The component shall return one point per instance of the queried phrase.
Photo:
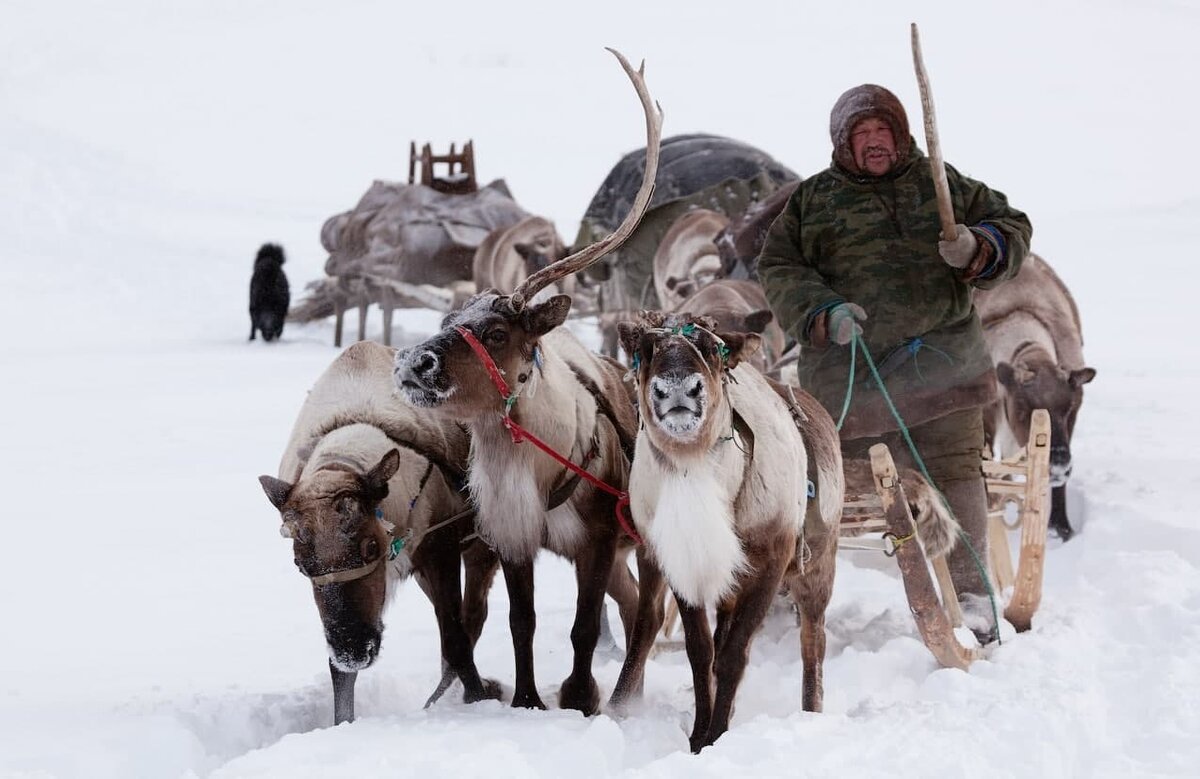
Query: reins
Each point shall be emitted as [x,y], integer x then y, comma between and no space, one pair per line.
[858,343]
[520,434]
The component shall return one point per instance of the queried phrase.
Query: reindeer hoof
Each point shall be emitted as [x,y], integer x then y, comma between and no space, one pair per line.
[584,697]
[488,691]
[527,700]
[1061,528]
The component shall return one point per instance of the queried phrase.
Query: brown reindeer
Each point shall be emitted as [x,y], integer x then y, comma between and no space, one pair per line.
[739,306]
[718,490]
[510,255]
[576,404]
[1032,328]
[686,258]
[363,485]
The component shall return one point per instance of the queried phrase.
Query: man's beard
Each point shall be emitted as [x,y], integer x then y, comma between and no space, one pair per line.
[877,151]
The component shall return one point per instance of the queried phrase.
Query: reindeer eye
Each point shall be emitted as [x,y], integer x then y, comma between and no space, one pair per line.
[369,549]
[496,336]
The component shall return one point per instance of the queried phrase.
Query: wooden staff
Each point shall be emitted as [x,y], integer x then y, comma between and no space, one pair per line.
[940,186]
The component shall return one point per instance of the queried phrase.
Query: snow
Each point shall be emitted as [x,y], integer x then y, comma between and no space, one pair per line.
[153,622]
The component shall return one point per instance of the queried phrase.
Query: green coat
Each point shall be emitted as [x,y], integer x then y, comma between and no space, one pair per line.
[873,241]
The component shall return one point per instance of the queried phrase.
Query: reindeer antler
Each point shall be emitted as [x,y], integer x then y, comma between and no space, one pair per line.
[590,254]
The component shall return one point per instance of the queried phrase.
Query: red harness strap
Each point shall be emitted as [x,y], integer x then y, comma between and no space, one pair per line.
[520,434]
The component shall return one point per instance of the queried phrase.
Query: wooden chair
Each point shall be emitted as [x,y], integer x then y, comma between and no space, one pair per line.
[460,176]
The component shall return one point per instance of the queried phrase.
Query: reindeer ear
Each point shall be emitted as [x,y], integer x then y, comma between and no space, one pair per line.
[541,318]
[527,252]
[277,490]
[1082,376]
[630,335]
[757,321]
[1004,372]
[377,478]
[740,346]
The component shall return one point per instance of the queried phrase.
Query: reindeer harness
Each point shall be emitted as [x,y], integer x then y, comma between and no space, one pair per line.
[520,434]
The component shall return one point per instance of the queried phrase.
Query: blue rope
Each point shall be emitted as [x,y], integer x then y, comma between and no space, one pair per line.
[857,341]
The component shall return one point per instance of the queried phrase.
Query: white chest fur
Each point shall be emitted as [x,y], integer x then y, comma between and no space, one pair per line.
[686,517]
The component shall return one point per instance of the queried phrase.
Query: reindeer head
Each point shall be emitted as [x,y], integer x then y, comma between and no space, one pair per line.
[339,544]
[681,363]
[445,375]
[1034,380]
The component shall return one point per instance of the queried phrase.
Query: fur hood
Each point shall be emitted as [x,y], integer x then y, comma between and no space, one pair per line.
[863,102]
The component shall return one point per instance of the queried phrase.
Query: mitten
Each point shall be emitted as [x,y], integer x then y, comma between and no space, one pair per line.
[959,252]
[843,322]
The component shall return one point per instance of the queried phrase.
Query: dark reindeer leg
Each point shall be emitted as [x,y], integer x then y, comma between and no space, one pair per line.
[640,639]
[698,640]
[753,601]
[343,694]
[441,564]
[481,564]
[522,622]
[1058,513]
[724,614]
[592,568]
[623,588]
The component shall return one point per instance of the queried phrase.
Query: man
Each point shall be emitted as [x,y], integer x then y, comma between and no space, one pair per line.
[857,250]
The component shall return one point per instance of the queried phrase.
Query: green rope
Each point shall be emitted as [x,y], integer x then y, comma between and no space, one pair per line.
[850,386]
[920,463]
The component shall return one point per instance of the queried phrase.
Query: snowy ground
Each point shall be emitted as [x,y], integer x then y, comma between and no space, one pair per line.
[153,622]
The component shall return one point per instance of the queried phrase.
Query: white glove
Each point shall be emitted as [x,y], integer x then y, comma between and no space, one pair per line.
[959,252]
[841,322]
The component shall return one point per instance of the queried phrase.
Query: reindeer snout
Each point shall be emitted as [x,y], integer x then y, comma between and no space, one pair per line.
[678,401]
[425,363]
[418,376]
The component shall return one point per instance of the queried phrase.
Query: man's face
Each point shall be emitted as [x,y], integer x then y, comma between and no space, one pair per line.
[873,146]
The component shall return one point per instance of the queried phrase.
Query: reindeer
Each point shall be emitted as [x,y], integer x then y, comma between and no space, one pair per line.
[686,258]
[718,490]
[565,399]
[740,306]
[511,254]
[367,493]
[1032,328]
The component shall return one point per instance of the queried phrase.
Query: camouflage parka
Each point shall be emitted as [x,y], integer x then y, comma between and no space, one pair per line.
[873,241]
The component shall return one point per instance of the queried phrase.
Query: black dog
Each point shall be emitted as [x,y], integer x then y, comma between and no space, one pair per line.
[269,293]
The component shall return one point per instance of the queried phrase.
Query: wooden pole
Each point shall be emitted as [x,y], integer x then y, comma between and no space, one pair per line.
[936,163]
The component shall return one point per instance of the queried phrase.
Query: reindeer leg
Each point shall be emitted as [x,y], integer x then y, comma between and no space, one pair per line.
[522,622]
[481,564]
[623,588]
[753,602]
[811,591]
[640,638]
[1058,513]
[699,642]
[592,569]
[343,694]
[442,579]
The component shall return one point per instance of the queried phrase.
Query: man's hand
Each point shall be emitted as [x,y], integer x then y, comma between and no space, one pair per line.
[959,252]
[843,322]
